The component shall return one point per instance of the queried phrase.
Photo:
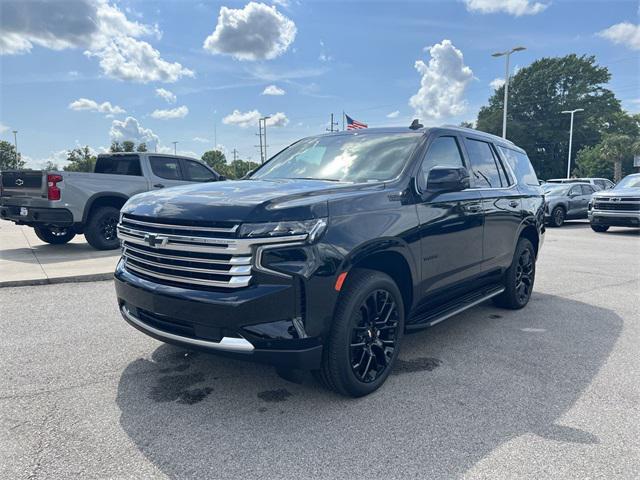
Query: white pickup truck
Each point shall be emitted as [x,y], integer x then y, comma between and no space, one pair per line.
[59,205]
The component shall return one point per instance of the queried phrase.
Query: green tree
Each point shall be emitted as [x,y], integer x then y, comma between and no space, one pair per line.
[611,158]
[8,158]
[537,96]
[128,146]
[49,165]
[80,160]
[239,168]
[142,147]
[216,160]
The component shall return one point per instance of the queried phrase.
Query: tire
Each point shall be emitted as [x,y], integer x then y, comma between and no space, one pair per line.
[54,235]
[366,333]
[558,216]
[600,228]
[519,277]
[100,230]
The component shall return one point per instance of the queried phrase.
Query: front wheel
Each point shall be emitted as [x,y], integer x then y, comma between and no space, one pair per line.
[519,278]
[599,228]
[364,341]
[557,217]
[54,235]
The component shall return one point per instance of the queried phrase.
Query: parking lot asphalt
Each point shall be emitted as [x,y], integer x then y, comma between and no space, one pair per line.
[551,391]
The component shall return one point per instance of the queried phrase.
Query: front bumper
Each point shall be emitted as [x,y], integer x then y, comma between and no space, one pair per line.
[614,219]
[257,323]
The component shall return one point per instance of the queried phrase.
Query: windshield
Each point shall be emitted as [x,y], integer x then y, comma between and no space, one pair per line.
[359,157]
[632,181]
[554,190]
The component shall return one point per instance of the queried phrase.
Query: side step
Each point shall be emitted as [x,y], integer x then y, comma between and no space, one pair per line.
[430,318]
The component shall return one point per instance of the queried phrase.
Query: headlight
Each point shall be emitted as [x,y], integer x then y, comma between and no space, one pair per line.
[312,228]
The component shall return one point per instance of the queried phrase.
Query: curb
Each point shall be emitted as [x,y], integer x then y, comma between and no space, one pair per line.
[93,277]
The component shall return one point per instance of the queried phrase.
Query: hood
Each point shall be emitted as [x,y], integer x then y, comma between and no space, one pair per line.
[618,193]
[239,200]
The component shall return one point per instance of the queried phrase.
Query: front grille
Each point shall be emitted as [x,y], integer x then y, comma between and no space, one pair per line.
[178,253]
[617,206]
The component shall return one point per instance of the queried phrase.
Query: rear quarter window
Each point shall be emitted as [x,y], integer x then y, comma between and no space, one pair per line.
[521,166]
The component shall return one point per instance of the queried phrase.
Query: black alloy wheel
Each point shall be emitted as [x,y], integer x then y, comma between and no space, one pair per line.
[524,275]
[519,277]
[374,336]
[557,217]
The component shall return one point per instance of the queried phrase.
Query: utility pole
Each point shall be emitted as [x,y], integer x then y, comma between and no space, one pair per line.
[215,135]
[175,148]
[235,154]
[506,86]
[260,135]
[572,112]
[331,125]
[15,145]
[263,120]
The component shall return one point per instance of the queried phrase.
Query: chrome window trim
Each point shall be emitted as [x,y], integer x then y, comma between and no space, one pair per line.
[229,344]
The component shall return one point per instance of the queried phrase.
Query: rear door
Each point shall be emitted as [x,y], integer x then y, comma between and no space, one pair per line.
[587,191]
[165,172]
[450,224]
[501,203]
[576,201]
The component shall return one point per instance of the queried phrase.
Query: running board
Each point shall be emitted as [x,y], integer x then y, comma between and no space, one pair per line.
[450,309]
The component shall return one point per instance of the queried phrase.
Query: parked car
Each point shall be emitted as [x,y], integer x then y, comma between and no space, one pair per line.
[566,202]
[330,251]
[597,183]
[59,205]
[618,207]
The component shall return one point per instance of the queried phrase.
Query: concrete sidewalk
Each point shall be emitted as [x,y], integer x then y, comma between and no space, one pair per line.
[26,260]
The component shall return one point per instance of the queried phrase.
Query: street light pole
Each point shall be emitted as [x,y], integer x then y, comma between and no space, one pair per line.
[15,145]
[264,129]
[572,112]
[506,85]
[175,148]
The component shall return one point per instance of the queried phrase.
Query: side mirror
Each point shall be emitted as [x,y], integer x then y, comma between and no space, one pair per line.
[221,178]
[447,179]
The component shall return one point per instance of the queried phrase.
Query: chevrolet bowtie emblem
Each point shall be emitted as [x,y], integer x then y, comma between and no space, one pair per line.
[154,240]
[19,182]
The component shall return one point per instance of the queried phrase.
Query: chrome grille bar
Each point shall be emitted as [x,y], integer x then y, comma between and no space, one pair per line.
[234,282]
[231,261]
[126,219]
[235,270]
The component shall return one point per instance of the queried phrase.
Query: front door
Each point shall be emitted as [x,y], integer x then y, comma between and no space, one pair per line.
[166,171]
[451,226]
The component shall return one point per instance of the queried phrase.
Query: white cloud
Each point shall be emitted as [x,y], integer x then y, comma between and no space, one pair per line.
[4,128]
[624,33]
[168,96]
[169,114]
[443,83]
[512,7]
[184,153]
[250,119]
[324,56]
[100,28]
[394,114]
[273,90]
[255,32]
[496,83]
[130,129]
[201,140]
[93,106]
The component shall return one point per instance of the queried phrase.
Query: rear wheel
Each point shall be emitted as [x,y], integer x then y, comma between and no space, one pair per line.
[365,337]
[100,231]
[557,217]
[519,278]
[599,228]
[54,235]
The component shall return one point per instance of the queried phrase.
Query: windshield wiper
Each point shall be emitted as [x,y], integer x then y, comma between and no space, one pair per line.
[314,178]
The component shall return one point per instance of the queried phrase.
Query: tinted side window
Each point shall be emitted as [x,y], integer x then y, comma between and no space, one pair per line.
[166,167]
[443,152]
[575,190]
[483,164]
[520,165]
[197,172]
[119,165]
[587,190]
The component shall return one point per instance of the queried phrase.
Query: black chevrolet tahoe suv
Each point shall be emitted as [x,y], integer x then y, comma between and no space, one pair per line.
[333,249]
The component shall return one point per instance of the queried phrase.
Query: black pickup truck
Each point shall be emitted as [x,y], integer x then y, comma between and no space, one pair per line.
[328,253]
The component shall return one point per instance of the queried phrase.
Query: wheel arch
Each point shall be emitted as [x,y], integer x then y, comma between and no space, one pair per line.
[103,199]
[390,256]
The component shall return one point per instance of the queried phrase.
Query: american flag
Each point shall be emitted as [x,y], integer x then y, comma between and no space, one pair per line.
[354,124]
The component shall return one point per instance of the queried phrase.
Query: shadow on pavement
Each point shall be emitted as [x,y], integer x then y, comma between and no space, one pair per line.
[50,254]
[462,389]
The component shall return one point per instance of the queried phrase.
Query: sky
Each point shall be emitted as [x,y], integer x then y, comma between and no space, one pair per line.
[201,73]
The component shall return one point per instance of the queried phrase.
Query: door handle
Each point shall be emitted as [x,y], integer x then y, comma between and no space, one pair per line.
[159,185]
[513,204]
[472,208]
